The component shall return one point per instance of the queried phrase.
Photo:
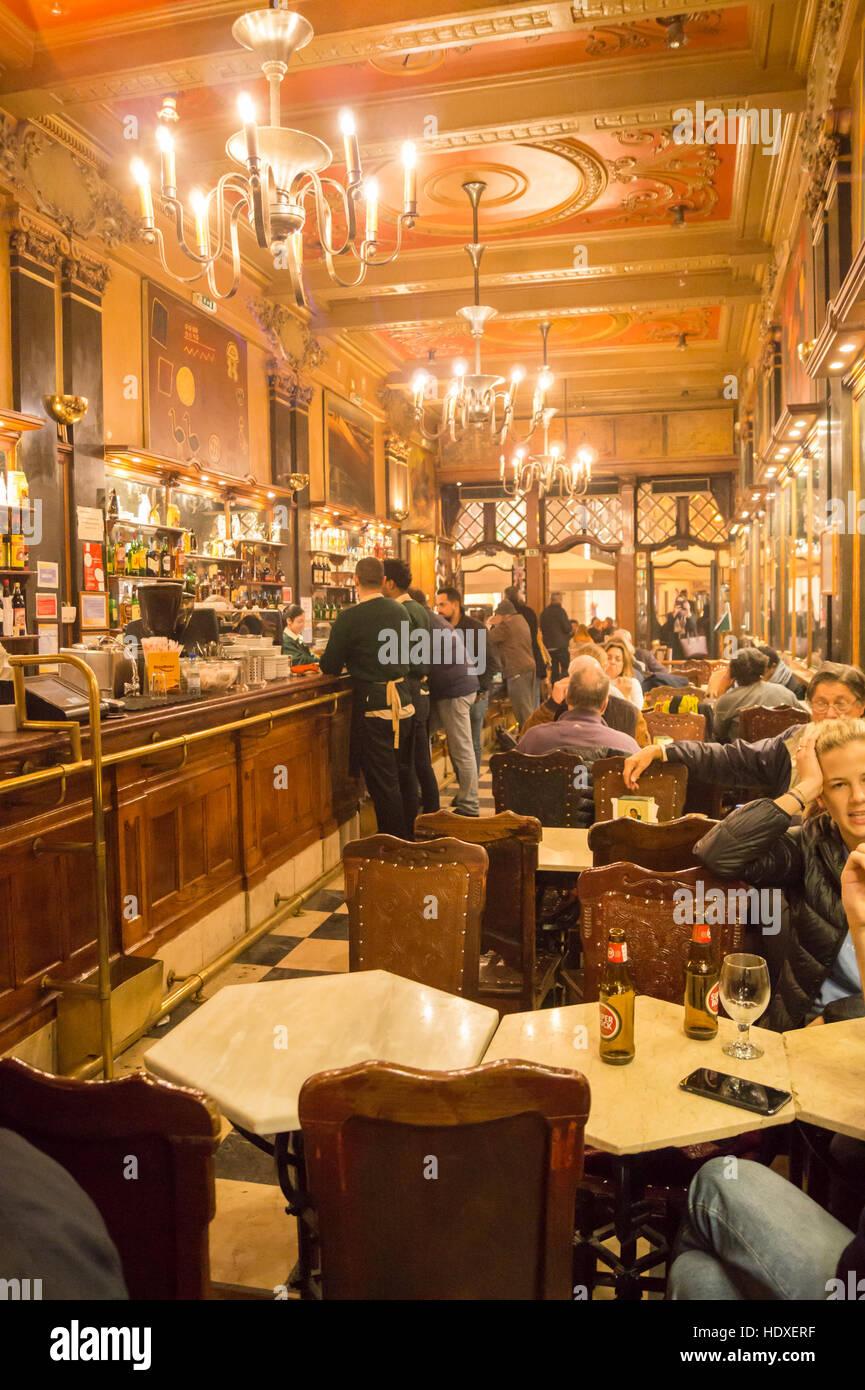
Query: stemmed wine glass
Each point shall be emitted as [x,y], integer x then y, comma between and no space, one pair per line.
[744,990]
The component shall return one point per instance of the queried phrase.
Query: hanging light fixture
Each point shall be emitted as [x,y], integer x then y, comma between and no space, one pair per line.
[477,400]
[275,181]
[549,469]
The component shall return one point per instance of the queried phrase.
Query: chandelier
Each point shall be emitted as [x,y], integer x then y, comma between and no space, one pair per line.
[477,400]
[275,182]
[549,469]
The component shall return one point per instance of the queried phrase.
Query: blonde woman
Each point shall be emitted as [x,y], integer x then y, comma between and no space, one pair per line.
[620,669]
[817,972]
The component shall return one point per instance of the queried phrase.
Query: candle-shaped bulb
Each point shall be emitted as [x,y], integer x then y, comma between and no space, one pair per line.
[145,198]
[459,367]
[350,146]
[246,107]
[418,386]
[165,141]
[371,210]
[545,379]
[409,160]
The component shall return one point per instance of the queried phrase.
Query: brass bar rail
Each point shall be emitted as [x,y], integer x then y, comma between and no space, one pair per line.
[102,990]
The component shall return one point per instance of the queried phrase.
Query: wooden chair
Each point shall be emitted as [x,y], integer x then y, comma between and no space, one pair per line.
[541,785]
[666,782]
[416,909]
[660,847]
[494,1218]
[158,1220]
[642,901]
[664,692]
[761,721]
[676,726]
[508,924]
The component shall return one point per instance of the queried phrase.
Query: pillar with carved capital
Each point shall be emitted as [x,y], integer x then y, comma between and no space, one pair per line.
[82,284]
[289,453]
[626,574]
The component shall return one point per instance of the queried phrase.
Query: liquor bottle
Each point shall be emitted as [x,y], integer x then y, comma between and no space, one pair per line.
[113,504]
[701,986]
[153,561]
[616,995]
[112,611]
[120,556]
[179,553]
[19,616]
[8,621]
[17,553]
[165,560]
[136,606]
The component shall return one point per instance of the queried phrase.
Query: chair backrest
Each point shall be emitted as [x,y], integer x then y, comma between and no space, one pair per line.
[541,785]
[415,909]
[445,1185]
[761,721]
[657,923]
[677,726]
[664,692]
[511,843]
[666,782]
[96,1130]
[696,669]
[662,847]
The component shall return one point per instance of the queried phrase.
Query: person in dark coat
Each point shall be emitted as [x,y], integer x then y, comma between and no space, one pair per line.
[836,691]
[817,974]
[779,673]
[556,632]
[512,593]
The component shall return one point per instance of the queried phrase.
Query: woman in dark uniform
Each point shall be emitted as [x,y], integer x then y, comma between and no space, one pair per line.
[292,645]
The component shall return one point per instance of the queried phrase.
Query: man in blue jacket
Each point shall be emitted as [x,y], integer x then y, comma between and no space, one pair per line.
[453,687]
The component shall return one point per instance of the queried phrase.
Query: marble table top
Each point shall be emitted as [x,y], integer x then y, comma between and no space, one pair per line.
[564,849]
[251,1047]
[827,1064]
[639,1106]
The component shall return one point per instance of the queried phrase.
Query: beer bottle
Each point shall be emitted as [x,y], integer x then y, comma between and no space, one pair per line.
[701,986]
[616,996]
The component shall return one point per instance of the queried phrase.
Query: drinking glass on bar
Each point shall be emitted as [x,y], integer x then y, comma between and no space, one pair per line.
[744,990]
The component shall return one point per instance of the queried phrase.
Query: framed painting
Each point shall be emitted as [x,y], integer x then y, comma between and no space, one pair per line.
[797,318]
[422,491]
[197,395]
[349,455]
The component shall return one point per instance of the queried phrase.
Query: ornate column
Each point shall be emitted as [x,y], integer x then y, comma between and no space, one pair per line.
[626,572]
[289,453]
[82,284]
[35,254]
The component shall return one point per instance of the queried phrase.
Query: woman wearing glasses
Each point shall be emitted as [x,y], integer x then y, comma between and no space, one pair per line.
[835,692]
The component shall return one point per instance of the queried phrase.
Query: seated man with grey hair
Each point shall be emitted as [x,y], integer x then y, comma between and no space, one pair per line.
[581,728]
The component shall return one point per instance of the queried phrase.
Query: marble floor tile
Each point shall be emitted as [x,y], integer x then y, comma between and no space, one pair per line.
[268,951]
[299,926]
[252,1241]
[241,1161]
[334,928]
[316,955]
[240,973]
[325,900]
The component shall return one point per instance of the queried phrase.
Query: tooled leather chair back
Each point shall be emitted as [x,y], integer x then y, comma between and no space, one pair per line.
[676,726]
[656,923]
[415,909]
[662,847]
[666,782]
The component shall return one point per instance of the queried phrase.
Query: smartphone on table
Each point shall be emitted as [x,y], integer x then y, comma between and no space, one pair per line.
[735,1090]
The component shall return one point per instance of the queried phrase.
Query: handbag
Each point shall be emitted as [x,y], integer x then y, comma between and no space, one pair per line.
[694,646]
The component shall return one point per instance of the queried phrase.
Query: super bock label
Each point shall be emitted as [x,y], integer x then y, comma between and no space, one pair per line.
[611,1023]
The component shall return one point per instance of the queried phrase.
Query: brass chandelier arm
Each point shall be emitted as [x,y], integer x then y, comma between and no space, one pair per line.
[236,212]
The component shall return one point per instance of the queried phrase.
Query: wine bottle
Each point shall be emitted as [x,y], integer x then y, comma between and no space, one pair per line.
[165,560]
[19,616]
[153,564]
[113,504]
[8,626]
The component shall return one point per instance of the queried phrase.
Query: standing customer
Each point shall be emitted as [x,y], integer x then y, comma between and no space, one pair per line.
[486,666]
[382,728]
[397,581]
[453,687]
[556,632]
[512,594]
[512,642]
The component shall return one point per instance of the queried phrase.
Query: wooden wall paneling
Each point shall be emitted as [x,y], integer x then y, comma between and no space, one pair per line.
[286,795]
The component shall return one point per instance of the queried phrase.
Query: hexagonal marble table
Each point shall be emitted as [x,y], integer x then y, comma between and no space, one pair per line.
[251,1047]
[639,1107]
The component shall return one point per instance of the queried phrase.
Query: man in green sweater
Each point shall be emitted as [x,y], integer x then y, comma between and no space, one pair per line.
[382,731]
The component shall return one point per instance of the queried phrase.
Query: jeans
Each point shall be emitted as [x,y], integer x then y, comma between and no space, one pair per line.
[477,715]
[751,1236]
[455,717]
[522,695]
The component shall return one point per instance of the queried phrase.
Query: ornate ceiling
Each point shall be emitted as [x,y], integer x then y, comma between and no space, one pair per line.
[565,110]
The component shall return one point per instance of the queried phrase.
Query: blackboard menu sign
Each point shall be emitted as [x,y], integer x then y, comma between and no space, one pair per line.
[197,405]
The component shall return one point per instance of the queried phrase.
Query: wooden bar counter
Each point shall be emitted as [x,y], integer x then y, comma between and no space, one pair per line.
[187,839]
